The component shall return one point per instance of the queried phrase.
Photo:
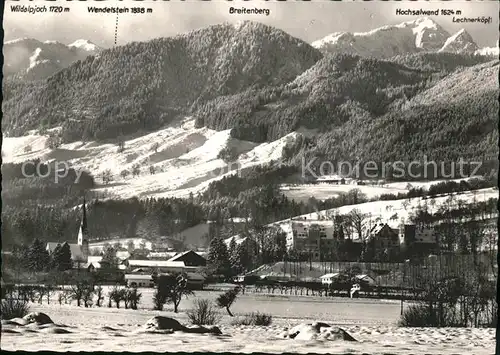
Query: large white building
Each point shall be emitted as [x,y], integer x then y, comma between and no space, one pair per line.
[298,230]
[139,243]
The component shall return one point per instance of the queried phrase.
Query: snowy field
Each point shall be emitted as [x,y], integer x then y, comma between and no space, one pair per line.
[371,322]
[302,192]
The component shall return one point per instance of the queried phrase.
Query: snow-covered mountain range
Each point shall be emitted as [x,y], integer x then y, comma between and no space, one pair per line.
[419,35]
[34,59]
[179,110]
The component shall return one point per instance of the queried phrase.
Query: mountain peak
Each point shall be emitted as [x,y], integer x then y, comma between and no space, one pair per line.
[422,34]
[84,44]
[426,21]
[460,42]
[428,34]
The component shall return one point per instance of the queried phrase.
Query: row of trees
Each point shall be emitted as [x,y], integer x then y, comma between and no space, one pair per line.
[257,247]
[83,291]
[465,299]
[35,258]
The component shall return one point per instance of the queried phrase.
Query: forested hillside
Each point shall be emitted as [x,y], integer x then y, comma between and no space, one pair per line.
[442,61]
[374,110]
[323,97]
[144,85]
[263,84]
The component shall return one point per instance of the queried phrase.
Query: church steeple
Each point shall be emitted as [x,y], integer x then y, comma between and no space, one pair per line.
[82,233]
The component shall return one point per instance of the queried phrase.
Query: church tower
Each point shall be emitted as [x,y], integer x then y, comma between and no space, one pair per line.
[83,232]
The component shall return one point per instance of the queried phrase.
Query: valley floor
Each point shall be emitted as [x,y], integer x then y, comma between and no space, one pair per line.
[371,322]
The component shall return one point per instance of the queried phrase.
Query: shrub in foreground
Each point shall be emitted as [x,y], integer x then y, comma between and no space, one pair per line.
[421,315]
[254,318]
[203,313]
[416,316]
[13,308]
[227,299]
[159,300]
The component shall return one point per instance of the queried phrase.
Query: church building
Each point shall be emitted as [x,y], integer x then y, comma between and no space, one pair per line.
[80,250]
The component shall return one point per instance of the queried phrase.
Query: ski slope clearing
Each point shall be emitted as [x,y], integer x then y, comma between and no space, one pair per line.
[173,162]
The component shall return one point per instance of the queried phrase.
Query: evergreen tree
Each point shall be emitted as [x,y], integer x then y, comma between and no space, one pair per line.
[54,257]
[61,257]
[38,256]
[232,254]
[280,246]
[109,257]
[21,256]
[218,258]
[242,260]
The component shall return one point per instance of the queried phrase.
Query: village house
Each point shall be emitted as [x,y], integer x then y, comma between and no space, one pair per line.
[418,240]
[329,279]
[122,243]
[364,279]
[383,242]
[188,262]
[333,179]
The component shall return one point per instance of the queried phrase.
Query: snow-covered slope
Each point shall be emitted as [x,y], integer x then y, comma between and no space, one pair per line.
[33,59]
[408,37]
[460,42]
[185,159]
[393,212]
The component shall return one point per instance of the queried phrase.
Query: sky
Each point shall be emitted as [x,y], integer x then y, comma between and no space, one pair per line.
[306,20]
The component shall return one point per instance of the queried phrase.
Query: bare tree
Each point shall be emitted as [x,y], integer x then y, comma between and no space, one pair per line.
[79,291]
[100,295]
[136,170]
[227,299]
[359,223]
[171,289]
[120,144]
